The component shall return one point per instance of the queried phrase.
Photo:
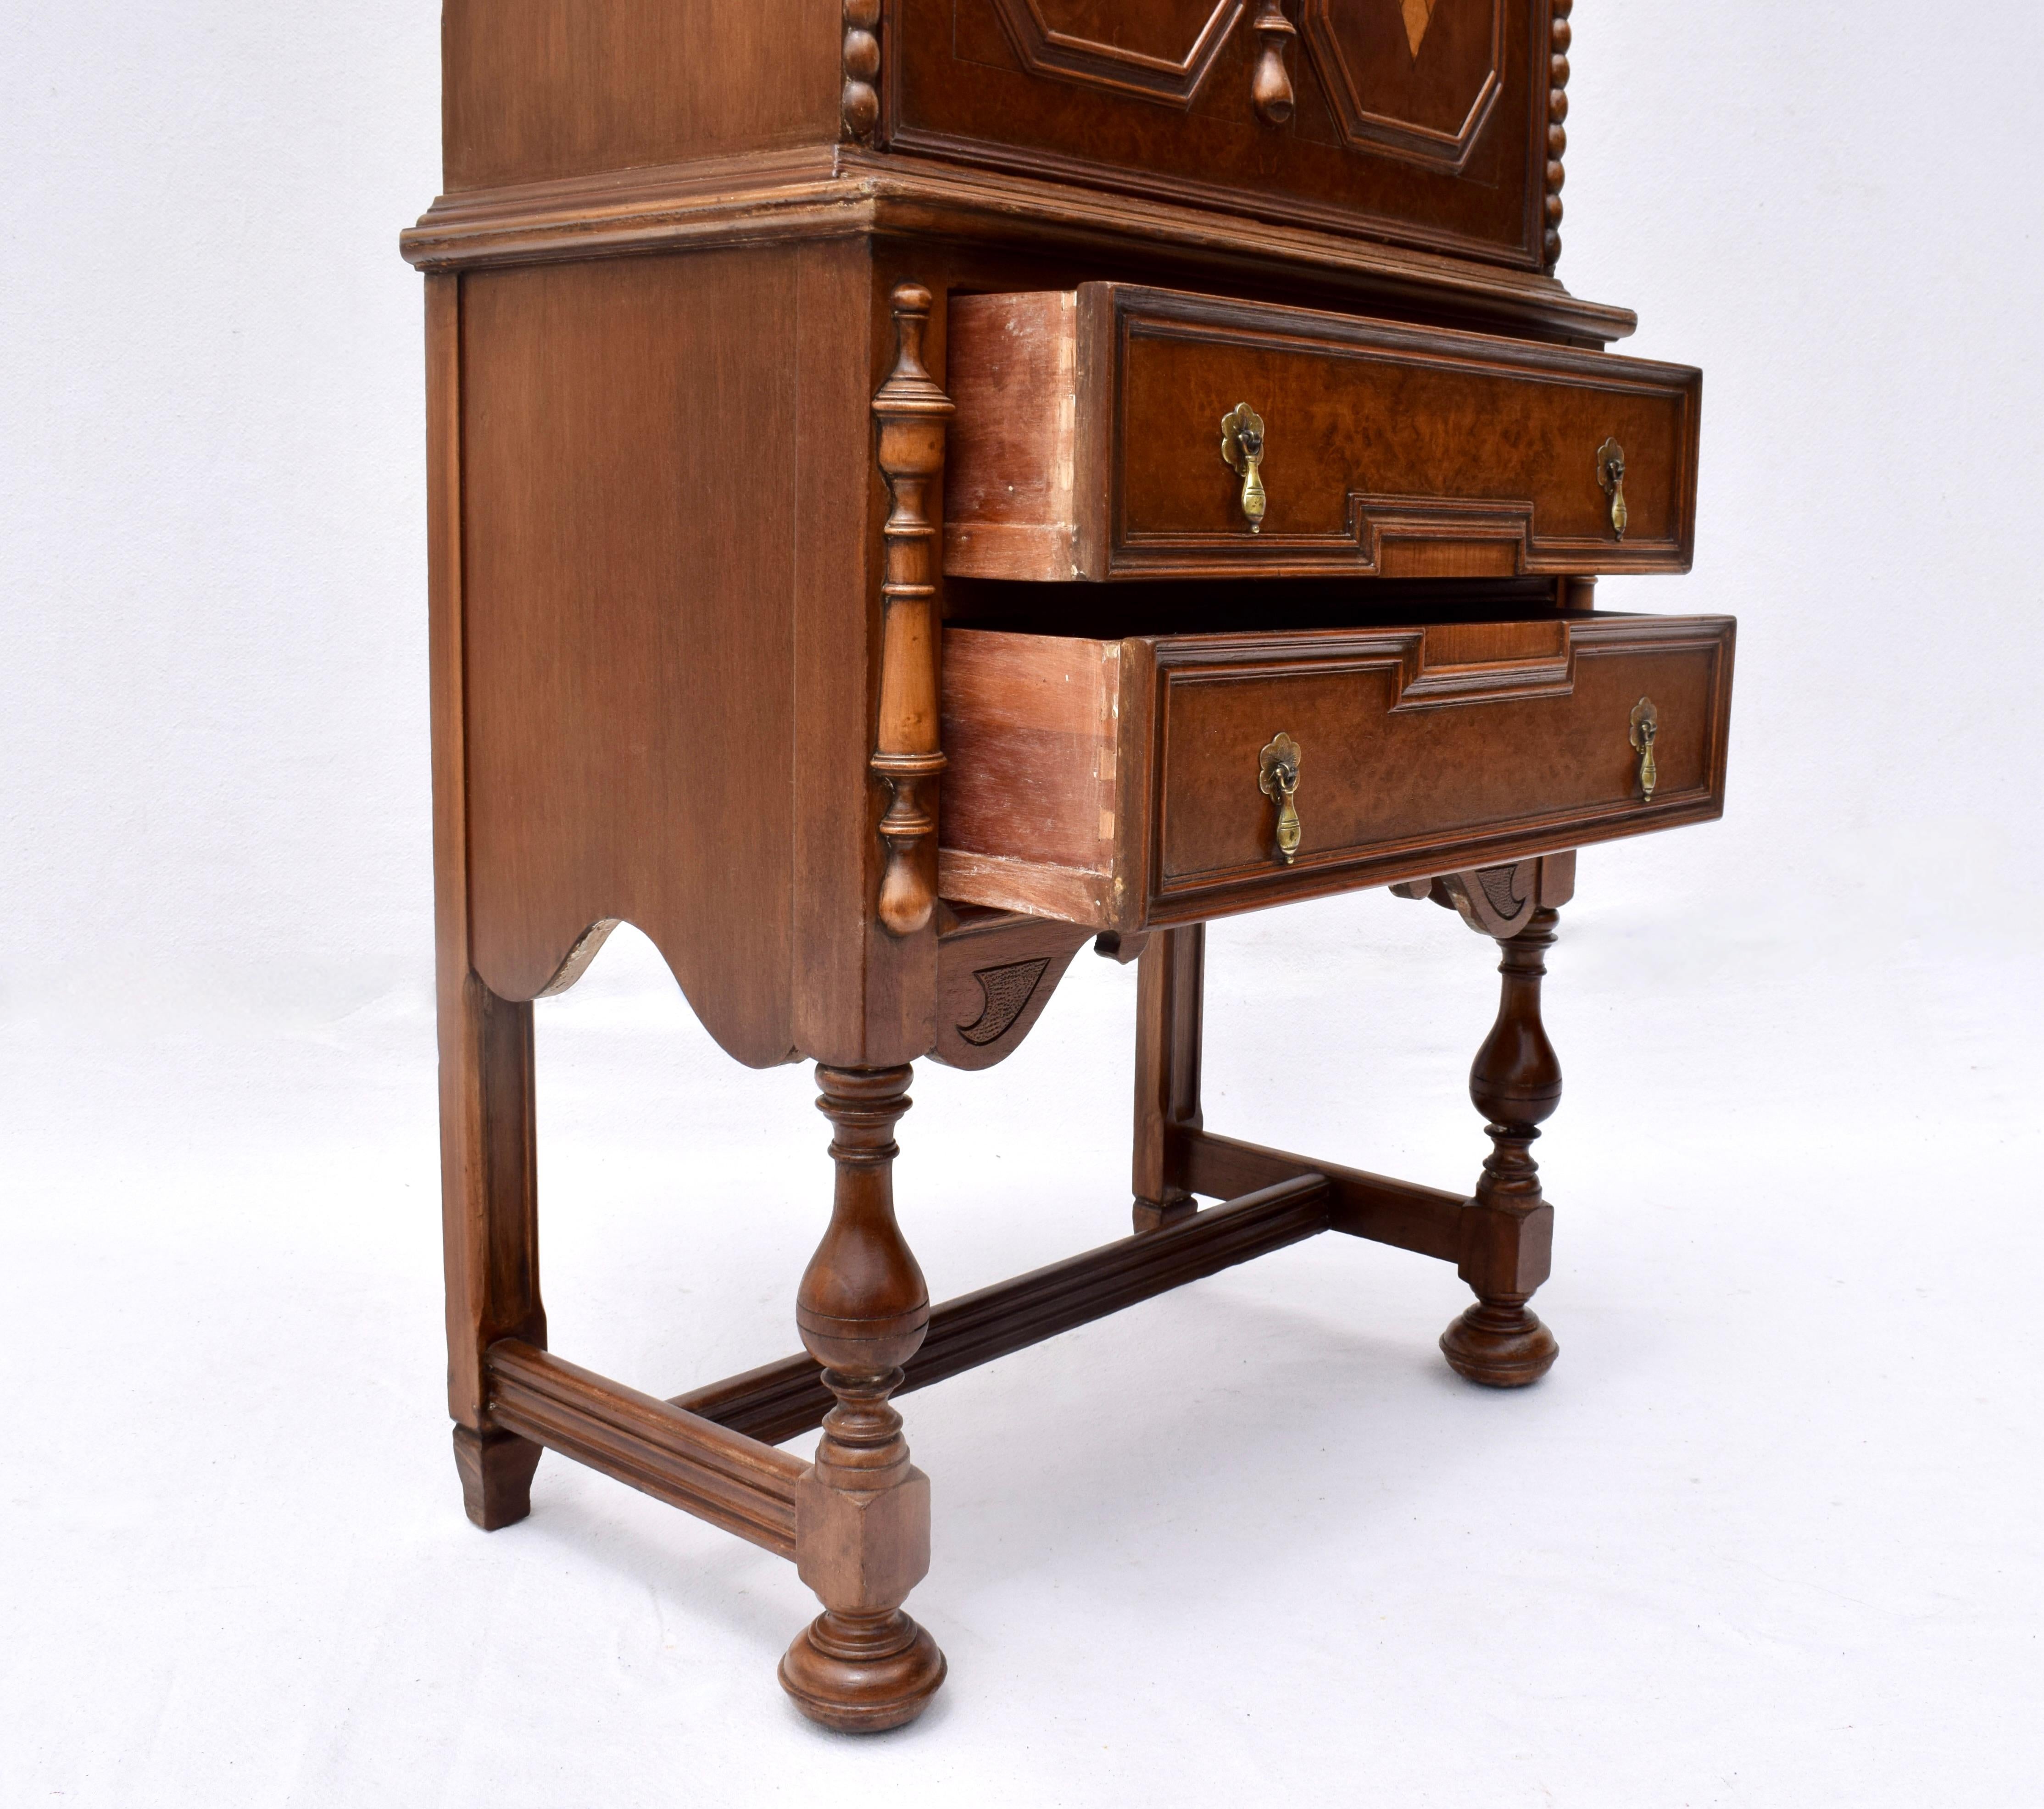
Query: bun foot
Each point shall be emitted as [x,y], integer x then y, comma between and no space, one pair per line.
[1501,1346]
[862,1674]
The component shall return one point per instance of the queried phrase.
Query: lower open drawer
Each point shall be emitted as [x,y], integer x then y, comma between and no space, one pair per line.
[1124,784]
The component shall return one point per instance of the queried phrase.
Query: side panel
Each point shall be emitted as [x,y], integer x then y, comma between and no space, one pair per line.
[533,90]
[630,553]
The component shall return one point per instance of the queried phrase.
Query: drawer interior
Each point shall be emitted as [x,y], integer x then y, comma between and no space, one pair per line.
[1250,605]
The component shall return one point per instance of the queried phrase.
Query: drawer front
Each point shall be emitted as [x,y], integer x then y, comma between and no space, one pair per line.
[1090,443]
[1125,784]
[1425,122]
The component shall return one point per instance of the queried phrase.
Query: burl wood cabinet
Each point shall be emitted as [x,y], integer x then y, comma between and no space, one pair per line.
[918,487]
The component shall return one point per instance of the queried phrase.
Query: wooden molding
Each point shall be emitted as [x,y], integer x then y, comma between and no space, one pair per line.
[845,191]
[1362,125]
[1173,80]
[732,1481]
[1481,663]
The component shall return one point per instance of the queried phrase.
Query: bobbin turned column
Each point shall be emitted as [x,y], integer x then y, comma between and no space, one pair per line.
[1508,1228]
[862,1510]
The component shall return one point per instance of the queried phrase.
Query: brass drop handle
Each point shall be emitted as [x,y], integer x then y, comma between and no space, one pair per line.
[1242,447]
[1277,778]
[1610,480]
[1646,725]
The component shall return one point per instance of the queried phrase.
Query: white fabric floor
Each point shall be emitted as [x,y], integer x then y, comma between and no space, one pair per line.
[1765,1535]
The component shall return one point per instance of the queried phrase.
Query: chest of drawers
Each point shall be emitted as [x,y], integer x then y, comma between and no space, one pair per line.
[919,486]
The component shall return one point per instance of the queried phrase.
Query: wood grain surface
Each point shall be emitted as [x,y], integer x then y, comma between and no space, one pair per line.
[1418,759]
[1446,149]
[1091,447]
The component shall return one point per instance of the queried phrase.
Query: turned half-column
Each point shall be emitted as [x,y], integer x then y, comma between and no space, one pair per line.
[862,1510]
[910,415]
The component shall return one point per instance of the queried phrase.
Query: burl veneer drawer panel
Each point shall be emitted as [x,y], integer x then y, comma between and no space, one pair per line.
[1120,784]
[1088,444]
[1425,122]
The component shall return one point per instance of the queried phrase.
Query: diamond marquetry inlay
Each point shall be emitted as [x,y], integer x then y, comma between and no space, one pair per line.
[1419,15]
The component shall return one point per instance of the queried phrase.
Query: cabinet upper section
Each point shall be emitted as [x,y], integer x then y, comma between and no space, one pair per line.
[1421,120]
[1434,124]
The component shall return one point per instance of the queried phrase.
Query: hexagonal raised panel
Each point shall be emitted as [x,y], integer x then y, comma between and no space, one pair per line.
[1155,50]
[1411,79]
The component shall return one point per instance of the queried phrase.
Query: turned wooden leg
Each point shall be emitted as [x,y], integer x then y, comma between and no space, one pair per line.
[490,1225]
[862,1510]
[1171,984]
[1508,1229]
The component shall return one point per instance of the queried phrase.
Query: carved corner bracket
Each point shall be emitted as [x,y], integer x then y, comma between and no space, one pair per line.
[1500,901]
[912,414]
[995,972]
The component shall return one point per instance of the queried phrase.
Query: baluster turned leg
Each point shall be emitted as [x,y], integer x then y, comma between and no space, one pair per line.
[1171,984]
[862,1513]
[1508,1229]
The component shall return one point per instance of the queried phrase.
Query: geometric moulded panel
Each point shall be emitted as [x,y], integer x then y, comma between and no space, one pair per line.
[1154,50]
[1411,79]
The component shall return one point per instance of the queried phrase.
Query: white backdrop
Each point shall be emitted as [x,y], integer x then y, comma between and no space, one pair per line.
[1766,1534]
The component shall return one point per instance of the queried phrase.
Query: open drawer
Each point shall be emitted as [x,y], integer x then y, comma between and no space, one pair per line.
[1111,432]
[1164,779]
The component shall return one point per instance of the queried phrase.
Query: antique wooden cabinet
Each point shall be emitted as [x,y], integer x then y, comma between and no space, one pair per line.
[919,486]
